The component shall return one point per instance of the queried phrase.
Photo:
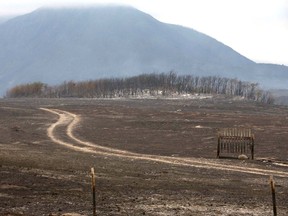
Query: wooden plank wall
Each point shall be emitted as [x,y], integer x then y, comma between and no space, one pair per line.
[235,141]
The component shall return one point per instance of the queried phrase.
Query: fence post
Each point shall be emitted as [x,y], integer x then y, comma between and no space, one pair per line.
[252,150]
[93,191]
[272,184]
[218,147]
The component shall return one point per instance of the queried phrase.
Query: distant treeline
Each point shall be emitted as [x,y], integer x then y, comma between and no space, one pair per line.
[164,84]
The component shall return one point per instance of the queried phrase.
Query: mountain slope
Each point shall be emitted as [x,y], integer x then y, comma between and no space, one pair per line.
[54,45]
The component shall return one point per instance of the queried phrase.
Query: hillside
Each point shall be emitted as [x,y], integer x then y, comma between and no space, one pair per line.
[54,45]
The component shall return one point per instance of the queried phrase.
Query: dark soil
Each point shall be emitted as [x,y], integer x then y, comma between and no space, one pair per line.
[40,177]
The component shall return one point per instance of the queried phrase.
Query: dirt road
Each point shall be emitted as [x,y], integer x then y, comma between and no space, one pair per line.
[70,121]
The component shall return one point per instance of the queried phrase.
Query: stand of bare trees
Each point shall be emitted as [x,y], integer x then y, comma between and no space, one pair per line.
[154,84]
[35,89]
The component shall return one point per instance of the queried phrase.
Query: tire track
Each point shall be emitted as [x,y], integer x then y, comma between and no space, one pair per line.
[70,121]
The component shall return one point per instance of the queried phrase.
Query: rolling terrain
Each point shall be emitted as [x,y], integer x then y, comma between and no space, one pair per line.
[57,45]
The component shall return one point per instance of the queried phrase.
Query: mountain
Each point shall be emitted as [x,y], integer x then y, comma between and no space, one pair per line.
[5,18]
[54,45]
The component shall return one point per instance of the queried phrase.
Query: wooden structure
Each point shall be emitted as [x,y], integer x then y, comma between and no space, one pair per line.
[233,142]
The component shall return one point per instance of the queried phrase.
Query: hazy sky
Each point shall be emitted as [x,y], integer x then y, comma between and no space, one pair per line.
[258,29]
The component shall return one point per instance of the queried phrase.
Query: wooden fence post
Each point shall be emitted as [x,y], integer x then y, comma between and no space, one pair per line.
[218,147]
[93,191]
[252,150]
[272,184]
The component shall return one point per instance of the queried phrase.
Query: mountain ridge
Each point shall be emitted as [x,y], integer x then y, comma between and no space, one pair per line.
[53,45]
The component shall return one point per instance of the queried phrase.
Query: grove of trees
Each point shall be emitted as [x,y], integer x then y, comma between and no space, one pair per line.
[154,84]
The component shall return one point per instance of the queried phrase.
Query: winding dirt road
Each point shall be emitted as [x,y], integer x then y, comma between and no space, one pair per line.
[70,121]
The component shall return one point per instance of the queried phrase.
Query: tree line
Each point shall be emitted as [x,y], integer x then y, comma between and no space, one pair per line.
[163,84]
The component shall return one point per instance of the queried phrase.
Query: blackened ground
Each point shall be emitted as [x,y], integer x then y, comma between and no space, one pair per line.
[39,177]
